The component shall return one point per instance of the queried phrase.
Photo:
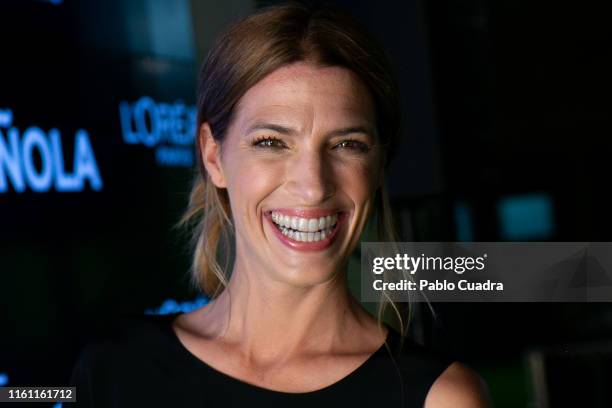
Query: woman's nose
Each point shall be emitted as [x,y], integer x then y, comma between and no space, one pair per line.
[310,178]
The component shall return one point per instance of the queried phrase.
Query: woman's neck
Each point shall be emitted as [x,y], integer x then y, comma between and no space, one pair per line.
[274,320]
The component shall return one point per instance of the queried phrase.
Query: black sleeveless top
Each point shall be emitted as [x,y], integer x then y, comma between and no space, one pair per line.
[145,365]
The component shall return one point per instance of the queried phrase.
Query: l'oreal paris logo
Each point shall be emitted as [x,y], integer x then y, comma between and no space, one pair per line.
[167,128]
[19,170]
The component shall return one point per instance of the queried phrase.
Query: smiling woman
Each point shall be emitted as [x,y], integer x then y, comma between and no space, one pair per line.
[301,151]
[297,115]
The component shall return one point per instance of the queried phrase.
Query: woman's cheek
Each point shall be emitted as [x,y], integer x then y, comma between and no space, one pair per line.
[358,176]
[253,178]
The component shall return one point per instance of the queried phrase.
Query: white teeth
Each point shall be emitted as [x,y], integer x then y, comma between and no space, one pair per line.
[306,236]
[304,224]
[305,229]
[313,225]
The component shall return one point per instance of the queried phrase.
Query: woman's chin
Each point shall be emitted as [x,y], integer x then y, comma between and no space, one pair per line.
[307,276]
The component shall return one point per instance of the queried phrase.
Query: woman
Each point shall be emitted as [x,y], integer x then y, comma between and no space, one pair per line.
[297,116]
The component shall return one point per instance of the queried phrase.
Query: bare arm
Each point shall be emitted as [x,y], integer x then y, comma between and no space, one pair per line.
[458,387]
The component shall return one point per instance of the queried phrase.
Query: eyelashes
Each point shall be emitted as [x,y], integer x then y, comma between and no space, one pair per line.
[270,142]
[354,145]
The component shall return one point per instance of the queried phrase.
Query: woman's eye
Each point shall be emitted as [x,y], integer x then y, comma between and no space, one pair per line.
[269,142]
[354,145]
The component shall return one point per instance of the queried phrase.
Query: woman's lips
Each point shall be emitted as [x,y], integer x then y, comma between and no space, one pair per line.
[301,245]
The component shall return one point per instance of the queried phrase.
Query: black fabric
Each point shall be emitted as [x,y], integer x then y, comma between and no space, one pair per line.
[144,364]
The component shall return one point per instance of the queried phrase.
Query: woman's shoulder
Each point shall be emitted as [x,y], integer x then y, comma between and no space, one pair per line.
[458,386]
[129,343]
[131,355]
[436,375]
[127,334]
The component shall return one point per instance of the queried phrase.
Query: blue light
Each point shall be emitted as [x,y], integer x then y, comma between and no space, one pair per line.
[172,306]
[53,2]
[6,118]
[3,379]
[526,217]
[57,405]
[463,222]
[169,129]
[17,155]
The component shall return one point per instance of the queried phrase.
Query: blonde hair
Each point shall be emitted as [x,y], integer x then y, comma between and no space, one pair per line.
[249,51]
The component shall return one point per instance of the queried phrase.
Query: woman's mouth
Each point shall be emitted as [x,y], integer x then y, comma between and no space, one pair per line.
[305,231]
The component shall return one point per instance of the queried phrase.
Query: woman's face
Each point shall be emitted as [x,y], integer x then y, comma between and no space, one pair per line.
[301,164]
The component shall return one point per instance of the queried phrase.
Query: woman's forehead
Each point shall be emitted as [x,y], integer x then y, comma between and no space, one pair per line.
[302,91]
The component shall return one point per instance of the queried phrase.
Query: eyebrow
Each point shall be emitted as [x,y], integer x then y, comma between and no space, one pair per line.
[285,130]
[273,127]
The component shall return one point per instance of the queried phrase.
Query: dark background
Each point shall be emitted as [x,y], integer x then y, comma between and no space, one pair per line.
[506,137]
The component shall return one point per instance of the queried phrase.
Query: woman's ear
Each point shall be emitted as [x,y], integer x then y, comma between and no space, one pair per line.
[210,150]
